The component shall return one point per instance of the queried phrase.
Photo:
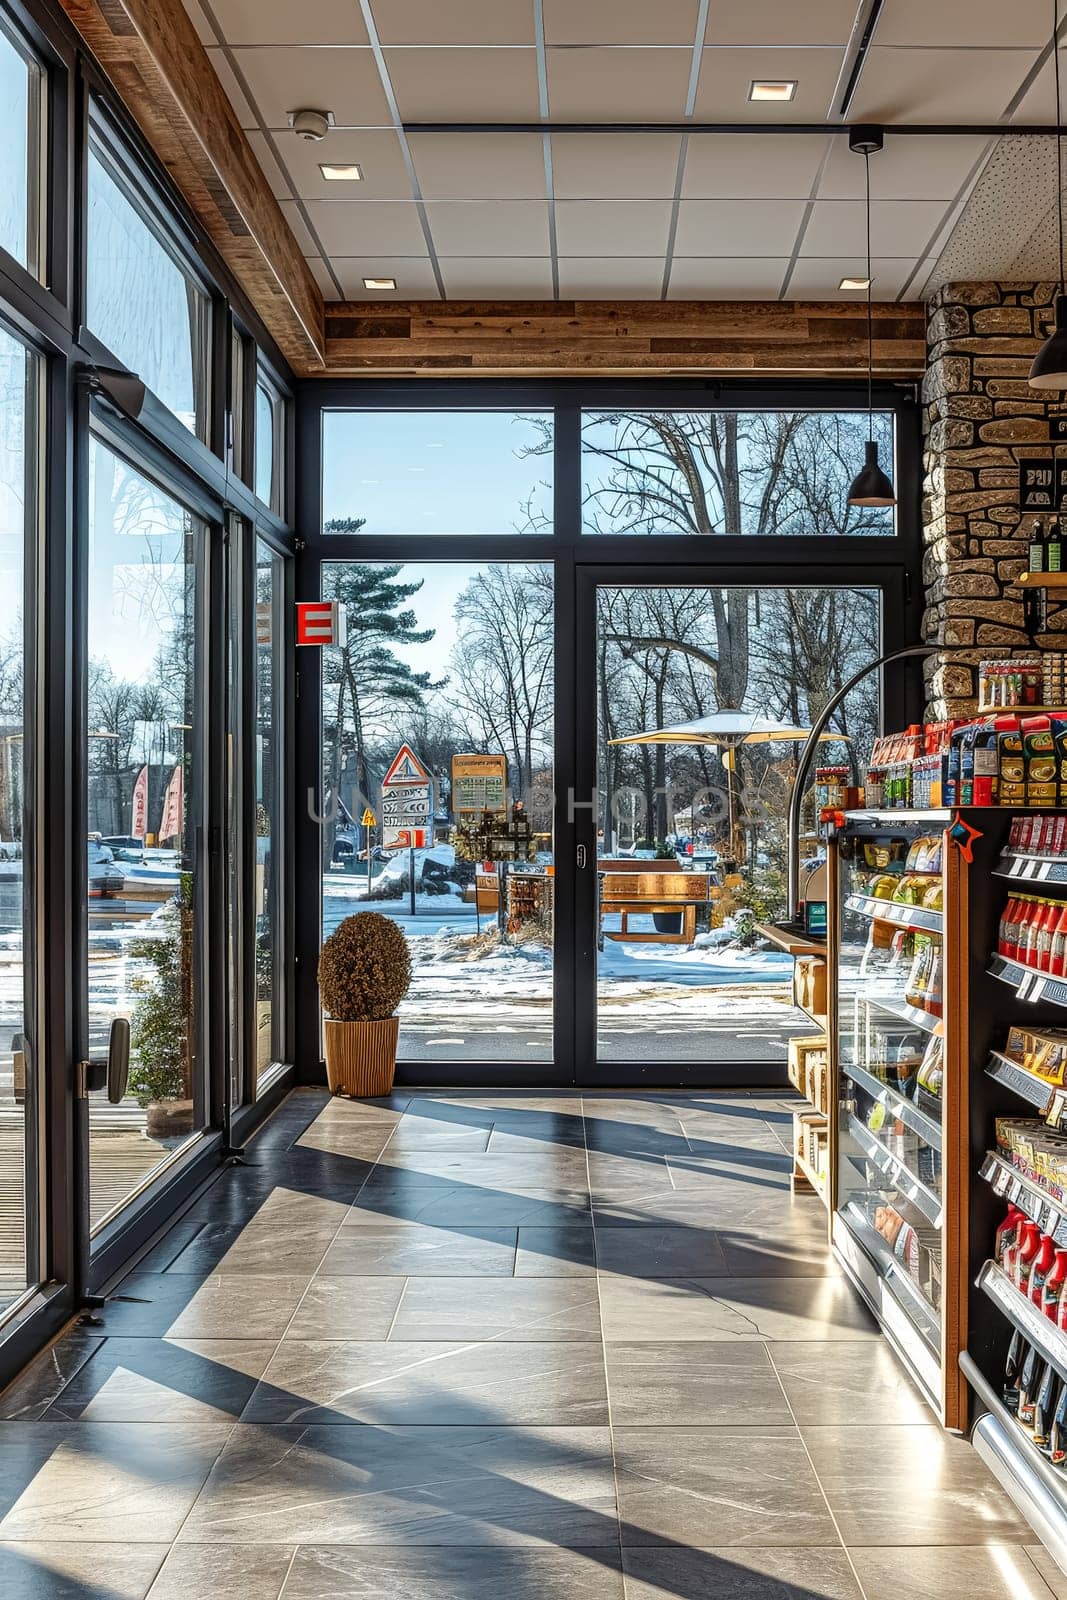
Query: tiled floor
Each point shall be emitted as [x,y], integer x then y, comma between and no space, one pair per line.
[459,1347]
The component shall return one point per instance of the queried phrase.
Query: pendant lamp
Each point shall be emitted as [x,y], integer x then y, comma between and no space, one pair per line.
[1049,370]
[870,486]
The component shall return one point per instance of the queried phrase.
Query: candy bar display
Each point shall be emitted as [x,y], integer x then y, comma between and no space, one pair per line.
[1008,758]
[1010,683]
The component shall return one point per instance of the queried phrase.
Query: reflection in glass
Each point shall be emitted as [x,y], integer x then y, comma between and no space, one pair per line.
[450,659]
[437,472]
[737,474]
[264,445]
[269,975]
[142,305]
[143,732]
[20,94]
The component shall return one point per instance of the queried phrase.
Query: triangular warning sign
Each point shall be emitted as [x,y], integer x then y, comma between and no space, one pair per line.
[405,767]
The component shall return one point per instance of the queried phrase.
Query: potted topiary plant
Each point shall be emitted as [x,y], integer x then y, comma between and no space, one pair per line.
[364,973]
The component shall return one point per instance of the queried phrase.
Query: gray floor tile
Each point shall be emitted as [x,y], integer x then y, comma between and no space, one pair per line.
[554,1167]
[995,1572]
[165,1380]
[292,1208]
[738,1165]
[424,1252]
[738,1486]
[244,1306]
[830,1382]
[758,1211]
[337,1573]
[612,1172]
[732,1308]
[535,1141]
[223,1572]
[552,1310]
[725,1574]
[419,1133]
[653,1252]
[409,1486]
[51,1571]
[109,1481]
[489,1384]
[259,1247]
[34,1390]
[793,1253]
[700,1385]
[1054,1576]
[346,1308]
[364,1139]
[910,1485]
[566,1252]
[451,1205]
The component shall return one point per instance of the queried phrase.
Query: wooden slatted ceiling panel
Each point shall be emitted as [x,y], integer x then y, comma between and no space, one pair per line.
[748,339]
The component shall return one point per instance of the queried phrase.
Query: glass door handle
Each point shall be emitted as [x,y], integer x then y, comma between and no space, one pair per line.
[582,856]
[111,1073]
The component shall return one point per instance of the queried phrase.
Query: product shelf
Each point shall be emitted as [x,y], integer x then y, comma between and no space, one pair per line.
[900,814]
[906,1291]
[905,1011]
[893,911]
[1027,1085]
[1028,983]
[1036,1328]
[905,1110]
[923,1198]
[1048,1210]
[1050,871]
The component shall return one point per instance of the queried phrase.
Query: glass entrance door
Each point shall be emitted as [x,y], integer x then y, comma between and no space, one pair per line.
[144,781]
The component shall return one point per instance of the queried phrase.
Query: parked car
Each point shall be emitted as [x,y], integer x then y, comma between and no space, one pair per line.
[106,877]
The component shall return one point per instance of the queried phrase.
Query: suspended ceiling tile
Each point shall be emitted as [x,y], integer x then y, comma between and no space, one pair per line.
[321,274]
[204,30]
[376,151]
[729,166]
[747,278]
[471,22]
[737,227]
[246,116]
[479,166]
[413,274]
[586,278]
[294,216]
[940,86]
[920,286]
[280,186]
[769,22]
[347,227]
[613,85]
[727,75]
[819,278]
[1038,104]
[282,22]
[497,278]
[612,227]
[618,166]
[908,168]
[838,227]
[956,23]
[464,85]
[343,80]
[489,227]
[609,22]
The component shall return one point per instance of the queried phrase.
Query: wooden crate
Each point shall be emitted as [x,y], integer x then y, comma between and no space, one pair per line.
[800,1049]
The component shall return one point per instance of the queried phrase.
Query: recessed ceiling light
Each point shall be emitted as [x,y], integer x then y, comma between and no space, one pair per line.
[341,172]
[773,89]
[379,283]
[855,283]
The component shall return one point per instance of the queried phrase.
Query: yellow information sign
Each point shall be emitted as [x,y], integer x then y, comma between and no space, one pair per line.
[479,783]
[368,819]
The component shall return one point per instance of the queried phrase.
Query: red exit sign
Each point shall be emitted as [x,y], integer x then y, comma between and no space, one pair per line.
[320,622]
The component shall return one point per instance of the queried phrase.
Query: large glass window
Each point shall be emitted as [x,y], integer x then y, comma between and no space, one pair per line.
[453,661]
[141,304]
[270,978]
[271,416]
[437,472]
[20,1266]
[21,94]
[734,473]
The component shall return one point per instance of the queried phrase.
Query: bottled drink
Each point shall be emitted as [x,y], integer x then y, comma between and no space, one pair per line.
[1057,1444]
[1008,933]
[1006,1232]
[1017,1353]
[1053,547]
[1053,1291]
[1042,1266]
[1029,1244]
[1050,916]
[1058,954]
[1036,547]
[1030,1376]
[1044,1408]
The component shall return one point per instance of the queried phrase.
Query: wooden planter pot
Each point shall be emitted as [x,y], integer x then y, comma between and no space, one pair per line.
[361,1057]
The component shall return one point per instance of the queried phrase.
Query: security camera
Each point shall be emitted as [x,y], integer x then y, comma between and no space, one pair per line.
[311,125]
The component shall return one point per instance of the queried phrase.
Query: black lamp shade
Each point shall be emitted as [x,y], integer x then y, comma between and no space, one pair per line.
[870,486]
[1049,370]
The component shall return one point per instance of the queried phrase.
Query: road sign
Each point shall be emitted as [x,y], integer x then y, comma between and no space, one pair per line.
[479,783]
[368,819]
[320,622]
[407,807]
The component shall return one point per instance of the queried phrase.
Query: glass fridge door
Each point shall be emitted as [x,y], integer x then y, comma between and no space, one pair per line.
[891,1053]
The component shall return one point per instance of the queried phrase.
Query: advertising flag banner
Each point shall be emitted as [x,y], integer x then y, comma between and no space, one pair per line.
[139,815]
[170,826]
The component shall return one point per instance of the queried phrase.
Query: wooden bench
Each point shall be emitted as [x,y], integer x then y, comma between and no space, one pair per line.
[641,893]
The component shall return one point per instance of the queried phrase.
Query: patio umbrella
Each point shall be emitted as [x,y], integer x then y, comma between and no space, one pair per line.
[729,729]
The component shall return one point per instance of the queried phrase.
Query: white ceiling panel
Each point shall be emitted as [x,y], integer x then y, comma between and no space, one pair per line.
[497,278]
[349,227]
[819,278]
[752,278]
[469,22]
[413,274]
[343,80]
[612,22]
[301,233]
[770,22]
[622,166]
[489,227]
[965,22]
[729,166]
[838,227]
[1038,104]
[938,85]
[619,278]
[321,274]
[280,185]
[282,22]
[612,227]
[375,150]
[246,116]
[737,227]
[464,85]
[726,76]
[907,169]
[628,85]
[479,166]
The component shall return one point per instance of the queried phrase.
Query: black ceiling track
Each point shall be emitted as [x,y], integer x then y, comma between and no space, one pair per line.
[927,130]
[860,58]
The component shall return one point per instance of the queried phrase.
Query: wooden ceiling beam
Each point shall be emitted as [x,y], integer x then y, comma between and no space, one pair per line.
[161,72]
